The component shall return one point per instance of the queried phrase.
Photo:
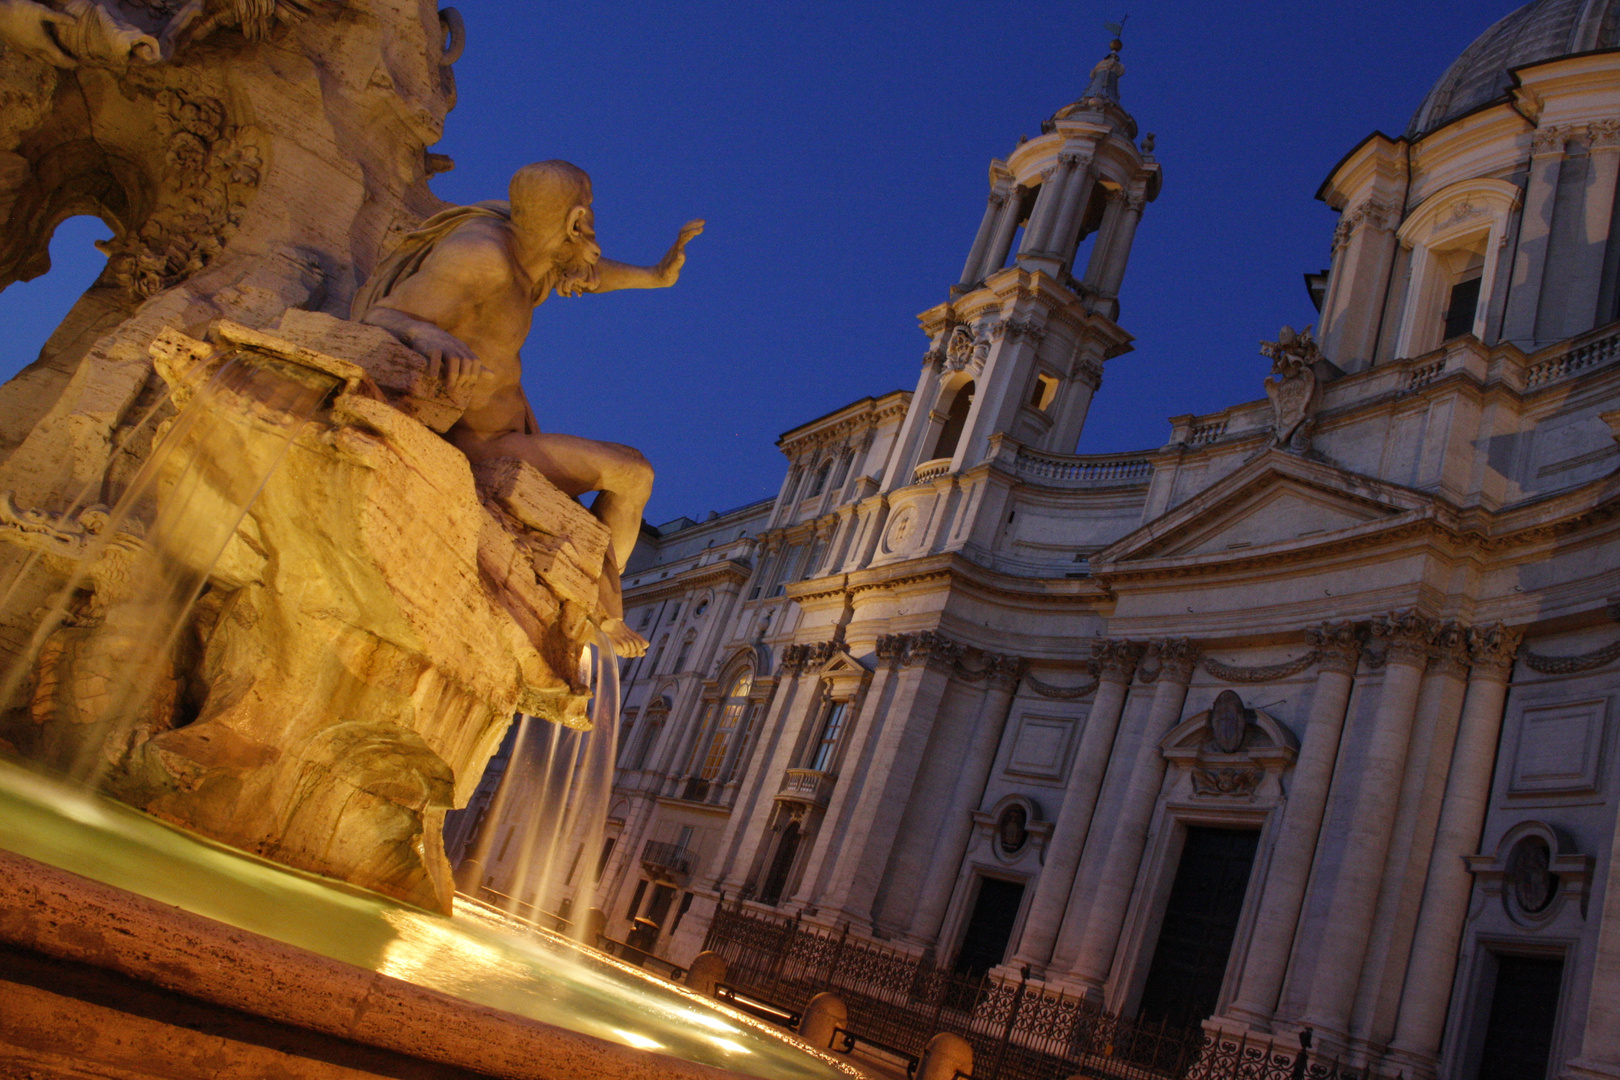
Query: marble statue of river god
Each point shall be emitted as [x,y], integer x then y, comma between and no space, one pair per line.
[269,571]
[462,290]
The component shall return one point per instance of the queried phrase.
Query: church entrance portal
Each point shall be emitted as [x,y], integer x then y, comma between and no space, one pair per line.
[990,927]
[1524,1006]
[1200,921]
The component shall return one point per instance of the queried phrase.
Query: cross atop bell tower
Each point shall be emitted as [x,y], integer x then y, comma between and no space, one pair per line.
[1018,350]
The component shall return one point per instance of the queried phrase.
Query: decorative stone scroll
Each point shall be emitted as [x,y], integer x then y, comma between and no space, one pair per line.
[807,656]
[997,669]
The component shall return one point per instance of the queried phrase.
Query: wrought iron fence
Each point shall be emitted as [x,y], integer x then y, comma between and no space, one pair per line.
[1017,1031]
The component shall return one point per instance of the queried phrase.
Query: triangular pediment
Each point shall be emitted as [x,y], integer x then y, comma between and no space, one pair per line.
[1277,500]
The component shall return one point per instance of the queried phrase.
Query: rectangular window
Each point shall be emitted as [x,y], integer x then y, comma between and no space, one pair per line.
[635,900]
[827,745]
[607,853]
[1461,308]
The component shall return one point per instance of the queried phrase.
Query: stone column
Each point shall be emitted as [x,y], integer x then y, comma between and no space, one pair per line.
[1115,663]
[862,734]
[972,271]
[1583,278]
[745,828]
[1339,651]
[1105,237]
[995,257]
[1349,911]
[1116,867]
[1076,192]
[893,757]
[1428,758]
[951,844]
[1535,235]
[1119,248]
[1433,960]
[1046,207]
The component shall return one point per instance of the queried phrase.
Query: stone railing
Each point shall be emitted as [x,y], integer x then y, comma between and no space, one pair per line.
[1203,433]
[807,786]
[657,855]
[1596,353]
[928,470]
[1084,469]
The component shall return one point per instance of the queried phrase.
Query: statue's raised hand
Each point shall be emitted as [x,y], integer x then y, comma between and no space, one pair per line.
[669,268]
[447,355]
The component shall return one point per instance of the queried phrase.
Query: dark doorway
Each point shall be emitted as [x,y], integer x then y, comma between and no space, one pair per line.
[990,927]
[1519,1034]
[1200,922]
[776,879]
[658,907]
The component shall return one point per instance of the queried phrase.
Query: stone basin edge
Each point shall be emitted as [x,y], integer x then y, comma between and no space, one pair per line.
[69,917]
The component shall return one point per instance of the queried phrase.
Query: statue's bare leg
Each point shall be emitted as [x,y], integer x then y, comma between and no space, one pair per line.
[623,479]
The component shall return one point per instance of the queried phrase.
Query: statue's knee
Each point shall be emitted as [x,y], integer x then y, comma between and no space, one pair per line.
[638,472]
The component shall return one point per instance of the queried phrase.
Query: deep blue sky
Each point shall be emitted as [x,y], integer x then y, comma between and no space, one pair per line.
[839,150]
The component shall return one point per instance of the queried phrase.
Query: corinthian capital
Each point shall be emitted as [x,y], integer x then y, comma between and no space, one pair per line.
[1405,636]
[1337,645]
[1004,671]
[1491,648]
[1448,652]
[1115,659]
[1173,659]
[931,645]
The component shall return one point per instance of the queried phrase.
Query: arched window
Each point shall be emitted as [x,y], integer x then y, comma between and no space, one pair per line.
[843,468]
[726,724]
[647,733]
[819,484]
[955,420]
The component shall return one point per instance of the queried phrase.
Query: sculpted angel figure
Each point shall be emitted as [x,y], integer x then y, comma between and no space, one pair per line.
[462,290]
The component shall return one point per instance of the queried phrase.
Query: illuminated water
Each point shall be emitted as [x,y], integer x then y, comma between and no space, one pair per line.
[470,957]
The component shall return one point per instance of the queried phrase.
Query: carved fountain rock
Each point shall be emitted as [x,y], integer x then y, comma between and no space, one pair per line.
[360,647]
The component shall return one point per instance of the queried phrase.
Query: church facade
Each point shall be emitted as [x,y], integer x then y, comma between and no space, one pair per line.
[1306,718]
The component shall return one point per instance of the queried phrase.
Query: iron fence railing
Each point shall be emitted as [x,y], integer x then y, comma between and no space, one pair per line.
[1018,1031]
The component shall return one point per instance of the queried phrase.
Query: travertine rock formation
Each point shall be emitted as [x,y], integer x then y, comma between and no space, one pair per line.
[363,636]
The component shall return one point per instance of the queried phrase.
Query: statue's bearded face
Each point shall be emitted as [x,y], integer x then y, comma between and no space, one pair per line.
[579,250]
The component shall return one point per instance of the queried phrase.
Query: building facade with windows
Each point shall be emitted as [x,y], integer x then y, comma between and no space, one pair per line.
[1304,719]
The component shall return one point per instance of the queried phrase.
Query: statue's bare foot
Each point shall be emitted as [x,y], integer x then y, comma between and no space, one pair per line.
[625,641]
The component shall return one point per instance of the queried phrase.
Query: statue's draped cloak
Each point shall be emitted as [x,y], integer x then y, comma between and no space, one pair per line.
[413,251]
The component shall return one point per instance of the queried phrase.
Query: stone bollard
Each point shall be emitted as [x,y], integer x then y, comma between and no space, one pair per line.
[595,927]
[706,972]
[944,1057]
[824,1013]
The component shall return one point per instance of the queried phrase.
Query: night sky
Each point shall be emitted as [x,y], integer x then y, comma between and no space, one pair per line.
[839,153]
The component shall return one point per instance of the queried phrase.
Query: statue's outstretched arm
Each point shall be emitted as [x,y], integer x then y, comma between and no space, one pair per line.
[609,274]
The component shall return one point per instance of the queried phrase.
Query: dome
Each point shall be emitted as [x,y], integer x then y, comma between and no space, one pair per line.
[1540,31]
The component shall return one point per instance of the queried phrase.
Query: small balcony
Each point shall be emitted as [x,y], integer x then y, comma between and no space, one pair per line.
[665,860]
[807,786]
[928,470]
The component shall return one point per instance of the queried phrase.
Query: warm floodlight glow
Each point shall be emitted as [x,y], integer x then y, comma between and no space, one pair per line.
[638,1040]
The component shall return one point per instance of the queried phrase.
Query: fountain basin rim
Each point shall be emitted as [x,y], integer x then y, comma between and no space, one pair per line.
[65,916]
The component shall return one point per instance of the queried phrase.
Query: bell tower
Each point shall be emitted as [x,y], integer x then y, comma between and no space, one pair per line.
[1018,349]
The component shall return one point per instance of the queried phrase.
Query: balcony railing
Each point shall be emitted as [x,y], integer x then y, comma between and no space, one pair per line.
[928,470]
[807,786]
[1088,469]
[661,857]
[1591,354]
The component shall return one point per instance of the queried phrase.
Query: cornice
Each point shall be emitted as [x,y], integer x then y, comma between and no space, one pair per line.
[713,574]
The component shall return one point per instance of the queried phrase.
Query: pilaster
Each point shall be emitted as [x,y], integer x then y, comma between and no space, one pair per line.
[1338,646]
[1114,867]
[1115,662]
[1403,640]
[1432,963]
[1535,237]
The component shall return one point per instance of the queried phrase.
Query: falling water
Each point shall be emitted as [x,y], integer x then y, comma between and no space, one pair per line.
[557,784]
[114,624]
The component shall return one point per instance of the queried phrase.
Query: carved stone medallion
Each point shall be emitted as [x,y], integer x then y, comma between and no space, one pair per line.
[1531,882]
[1228,720]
